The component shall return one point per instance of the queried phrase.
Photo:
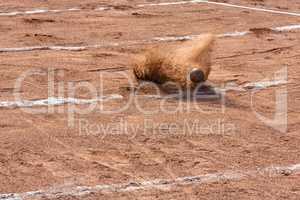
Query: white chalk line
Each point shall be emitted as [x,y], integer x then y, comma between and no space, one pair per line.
[218,92]
[56,101]
[259,85]
[264,84]
[42,11]
[167,3]
[40,48]
[252,8]
[190,37]
[155,39]
[287,28]
[158,184]
[56,48]
[222,4]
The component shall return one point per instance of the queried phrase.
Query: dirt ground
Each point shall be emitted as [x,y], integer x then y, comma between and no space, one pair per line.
[56,149]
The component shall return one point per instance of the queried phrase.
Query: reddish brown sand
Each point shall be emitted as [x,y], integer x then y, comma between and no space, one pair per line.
[40,151]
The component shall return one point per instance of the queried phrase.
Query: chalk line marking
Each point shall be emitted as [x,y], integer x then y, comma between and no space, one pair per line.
[264,84]
[222,4]
[56,101]
[190,37]
[260,85]
[168,3]
[43,11]
[56,48]
[40,48]
[251,8]
[158,184]
[218,92]
[155,39]
[36,11]
[287,28]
